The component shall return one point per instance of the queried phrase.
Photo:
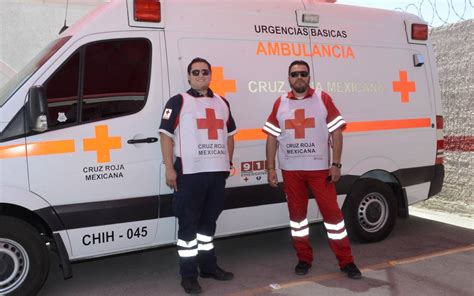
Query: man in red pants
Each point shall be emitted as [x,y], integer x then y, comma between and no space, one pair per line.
[301,127]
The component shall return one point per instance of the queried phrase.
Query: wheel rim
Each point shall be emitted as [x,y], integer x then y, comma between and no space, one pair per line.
[14,265]
[373,212]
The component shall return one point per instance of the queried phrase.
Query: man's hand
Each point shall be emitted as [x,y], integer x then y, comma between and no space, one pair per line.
[171,179]
[272,178]
[335,174]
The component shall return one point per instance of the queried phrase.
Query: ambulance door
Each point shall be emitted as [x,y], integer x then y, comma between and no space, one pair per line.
[98,162]
[250,56]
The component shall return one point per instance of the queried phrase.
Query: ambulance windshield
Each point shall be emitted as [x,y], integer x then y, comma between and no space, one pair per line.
[17,81]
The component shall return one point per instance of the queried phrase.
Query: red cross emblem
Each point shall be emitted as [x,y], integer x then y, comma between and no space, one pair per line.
[404,86]
[299,124]
[167,114]
[211,123]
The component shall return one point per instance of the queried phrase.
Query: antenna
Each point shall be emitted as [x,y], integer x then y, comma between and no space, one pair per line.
[64,28]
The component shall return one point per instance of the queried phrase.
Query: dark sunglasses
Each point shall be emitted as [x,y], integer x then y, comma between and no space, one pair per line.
[204,72]
[299,74]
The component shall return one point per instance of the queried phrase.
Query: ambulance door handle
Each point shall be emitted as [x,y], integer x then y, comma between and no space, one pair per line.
[140,141]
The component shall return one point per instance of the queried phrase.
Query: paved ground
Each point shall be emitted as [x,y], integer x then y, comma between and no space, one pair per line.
[420,257]
[443,216]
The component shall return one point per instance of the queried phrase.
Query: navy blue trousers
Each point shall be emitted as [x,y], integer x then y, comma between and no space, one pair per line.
[197,204]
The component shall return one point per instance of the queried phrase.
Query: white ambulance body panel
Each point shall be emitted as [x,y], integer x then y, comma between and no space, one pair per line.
[94,180]
[228,35]
[343,66]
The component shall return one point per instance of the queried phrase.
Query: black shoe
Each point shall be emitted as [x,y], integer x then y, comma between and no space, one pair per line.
[191,285]
[302,267]
[352,271]
[219,274]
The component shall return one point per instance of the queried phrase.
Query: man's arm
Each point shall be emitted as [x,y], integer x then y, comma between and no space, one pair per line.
[270,149]
[167,152]
[168,125]
[231,129]
[230,147]
[336,137]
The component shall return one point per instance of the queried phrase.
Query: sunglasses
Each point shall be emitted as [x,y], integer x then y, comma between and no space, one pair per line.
[204,72]
[299,74]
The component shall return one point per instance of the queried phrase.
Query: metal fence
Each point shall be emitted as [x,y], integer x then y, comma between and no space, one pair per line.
[440,12]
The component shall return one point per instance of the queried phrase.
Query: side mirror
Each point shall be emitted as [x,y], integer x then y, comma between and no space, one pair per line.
[37,109]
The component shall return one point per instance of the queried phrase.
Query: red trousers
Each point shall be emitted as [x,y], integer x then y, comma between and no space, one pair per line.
[296,184]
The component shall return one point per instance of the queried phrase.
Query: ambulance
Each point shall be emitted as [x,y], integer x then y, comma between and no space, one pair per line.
[81,171]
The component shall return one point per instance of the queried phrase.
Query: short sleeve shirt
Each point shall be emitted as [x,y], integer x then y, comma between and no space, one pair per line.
[333,119]
[170,116]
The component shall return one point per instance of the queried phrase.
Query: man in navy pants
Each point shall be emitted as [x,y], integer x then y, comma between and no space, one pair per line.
[197,128]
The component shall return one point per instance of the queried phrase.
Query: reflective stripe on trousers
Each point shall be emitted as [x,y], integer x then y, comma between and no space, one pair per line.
[299,229]
[336,231]
[187,248]
[204,242]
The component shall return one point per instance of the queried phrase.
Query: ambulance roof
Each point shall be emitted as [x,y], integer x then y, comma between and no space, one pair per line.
[230,17]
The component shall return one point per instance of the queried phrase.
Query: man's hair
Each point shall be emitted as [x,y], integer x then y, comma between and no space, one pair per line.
[198,60]
[298,62]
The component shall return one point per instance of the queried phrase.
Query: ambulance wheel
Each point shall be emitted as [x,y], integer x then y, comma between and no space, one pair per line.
[24,258]
[370,211]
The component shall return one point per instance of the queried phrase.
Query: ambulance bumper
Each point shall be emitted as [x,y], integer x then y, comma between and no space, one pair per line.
[437,181]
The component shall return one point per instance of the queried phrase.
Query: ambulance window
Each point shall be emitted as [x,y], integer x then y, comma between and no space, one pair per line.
[116,78]
[62,94]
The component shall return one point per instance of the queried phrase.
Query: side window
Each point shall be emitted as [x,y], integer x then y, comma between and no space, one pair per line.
[116,78]
[62,93]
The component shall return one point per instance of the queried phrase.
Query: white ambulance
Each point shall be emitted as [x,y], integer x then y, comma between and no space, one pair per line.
[81,169]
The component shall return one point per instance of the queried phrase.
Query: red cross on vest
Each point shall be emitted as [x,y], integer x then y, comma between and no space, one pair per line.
[211,123]
[299,124]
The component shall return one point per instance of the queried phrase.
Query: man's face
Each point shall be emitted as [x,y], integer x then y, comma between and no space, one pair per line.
[200,76]
[296,78]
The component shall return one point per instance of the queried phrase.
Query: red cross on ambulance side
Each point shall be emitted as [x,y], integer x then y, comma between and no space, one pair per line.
[211,123]
[300,123]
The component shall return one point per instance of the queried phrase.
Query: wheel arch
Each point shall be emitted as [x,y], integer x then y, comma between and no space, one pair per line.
[394,184]
[28,216]
[32,208]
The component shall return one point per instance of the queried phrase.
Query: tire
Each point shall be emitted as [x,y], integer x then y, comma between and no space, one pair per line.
[370,211]
[24,258]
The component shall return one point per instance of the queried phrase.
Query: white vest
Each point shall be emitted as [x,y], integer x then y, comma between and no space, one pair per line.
[201,140]
[304,139]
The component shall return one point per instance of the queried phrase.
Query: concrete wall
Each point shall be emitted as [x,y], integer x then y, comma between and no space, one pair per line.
[454,49]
